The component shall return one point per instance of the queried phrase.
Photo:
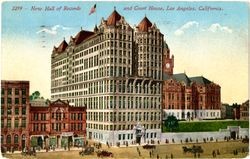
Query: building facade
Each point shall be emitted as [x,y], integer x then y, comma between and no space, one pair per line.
[227,111]
[188,98]
[56,124]
[14,114]
[116,71]
[244,111]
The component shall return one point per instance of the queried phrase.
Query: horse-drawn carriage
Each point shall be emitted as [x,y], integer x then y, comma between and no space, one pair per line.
[104,153]
[193,149]
[87,151]
[148,146]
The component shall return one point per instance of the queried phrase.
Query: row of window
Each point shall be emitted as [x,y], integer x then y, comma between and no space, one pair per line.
[147,72]
[39,116]
[121,126]
[244,114]
[11,112]
[57,116]
[106,86]
[14,91]
[192,114]
[8,139]
[130,136]
[188,106]
[72,127]
[39,127]
[16,101]
[118,102]
[147,48]
[16,123]
[123,116]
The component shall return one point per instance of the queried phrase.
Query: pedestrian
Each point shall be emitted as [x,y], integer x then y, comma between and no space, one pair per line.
[198,155]
[157,156]
[218,152]
[172,156]
[150,154]
[166,156]
[214,154]
[243,150]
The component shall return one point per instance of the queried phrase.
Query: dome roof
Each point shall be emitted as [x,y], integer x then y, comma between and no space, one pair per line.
[113,18]
[144,25]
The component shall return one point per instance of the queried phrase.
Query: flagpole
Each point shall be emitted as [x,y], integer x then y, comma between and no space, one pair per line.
[96,15]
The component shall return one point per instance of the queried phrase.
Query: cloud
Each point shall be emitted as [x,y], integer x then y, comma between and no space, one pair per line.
[217,27]
[53,29]
[185,27]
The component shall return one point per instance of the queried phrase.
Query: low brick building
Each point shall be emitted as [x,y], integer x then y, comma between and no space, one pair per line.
[14,114]
[56,124]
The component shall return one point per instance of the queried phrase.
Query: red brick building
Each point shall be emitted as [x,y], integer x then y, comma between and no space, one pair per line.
[244,111]
[56,123]
[14,114]
[188,97]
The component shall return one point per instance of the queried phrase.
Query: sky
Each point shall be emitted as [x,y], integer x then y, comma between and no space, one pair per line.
[207,39]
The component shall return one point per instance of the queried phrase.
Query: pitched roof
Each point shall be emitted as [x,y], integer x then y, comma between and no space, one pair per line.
[82,35]
[113,18]
[61,48]
[200,80]
[182,77]
[144,25]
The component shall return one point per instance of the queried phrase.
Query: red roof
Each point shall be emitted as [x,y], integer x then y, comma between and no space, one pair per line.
[113,18]
[61,48]
[144,25]
[82,35]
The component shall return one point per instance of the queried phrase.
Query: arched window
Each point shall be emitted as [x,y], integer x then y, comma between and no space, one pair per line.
[8,139]
[16,139]
[23,137]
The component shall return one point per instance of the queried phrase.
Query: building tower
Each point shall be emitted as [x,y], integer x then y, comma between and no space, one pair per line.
[168,63]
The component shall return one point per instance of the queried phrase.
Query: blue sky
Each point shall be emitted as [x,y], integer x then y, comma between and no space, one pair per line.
[19,22]
[209,43]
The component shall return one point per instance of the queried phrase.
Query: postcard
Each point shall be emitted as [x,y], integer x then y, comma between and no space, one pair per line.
[124,79]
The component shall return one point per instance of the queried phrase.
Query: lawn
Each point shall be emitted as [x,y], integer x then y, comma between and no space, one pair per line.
[225,148]
[204,126]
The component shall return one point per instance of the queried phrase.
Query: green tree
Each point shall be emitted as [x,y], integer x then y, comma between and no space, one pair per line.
[35,95]
[171,123]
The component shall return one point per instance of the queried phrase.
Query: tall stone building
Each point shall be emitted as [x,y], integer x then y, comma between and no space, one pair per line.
[14,114]
[116,71]
[188,97]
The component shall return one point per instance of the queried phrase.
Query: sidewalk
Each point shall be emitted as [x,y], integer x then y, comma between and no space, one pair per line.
[56,150]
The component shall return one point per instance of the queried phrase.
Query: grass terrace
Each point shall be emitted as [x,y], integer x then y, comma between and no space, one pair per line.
[204,126]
